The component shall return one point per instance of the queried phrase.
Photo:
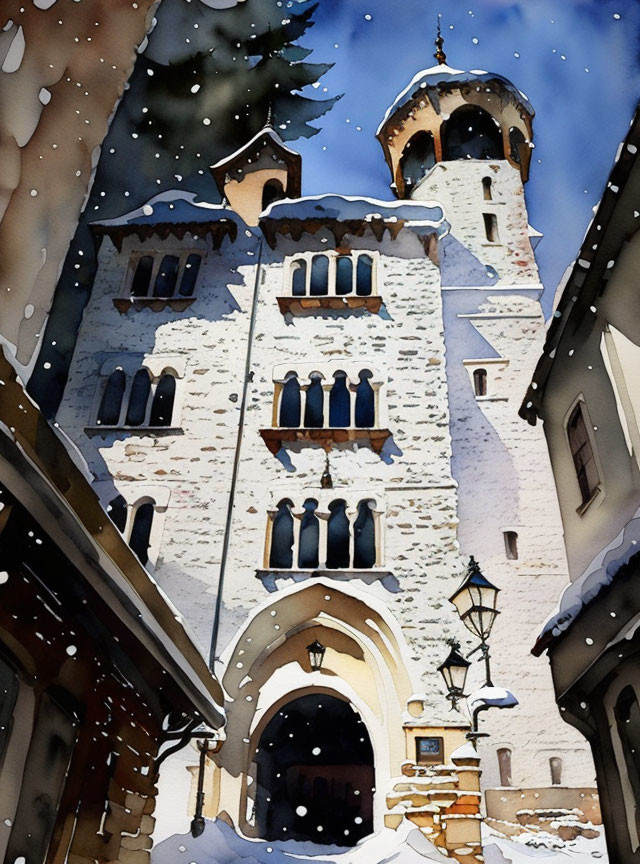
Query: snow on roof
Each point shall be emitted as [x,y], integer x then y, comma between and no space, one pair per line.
[269,132]
[599,573]
[341,208]
[443,74]
[467,751]
[171,207]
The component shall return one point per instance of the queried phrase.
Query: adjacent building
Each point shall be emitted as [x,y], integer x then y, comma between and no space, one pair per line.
[301,413]
[98,675]
[585,390]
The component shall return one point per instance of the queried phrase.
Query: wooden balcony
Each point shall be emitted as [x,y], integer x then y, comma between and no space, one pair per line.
[276,438]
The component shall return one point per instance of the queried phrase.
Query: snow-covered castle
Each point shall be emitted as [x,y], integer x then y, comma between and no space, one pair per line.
[303,415]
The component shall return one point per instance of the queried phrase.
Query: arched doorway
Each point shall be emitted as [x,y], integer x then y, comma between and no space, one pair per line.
[315,777]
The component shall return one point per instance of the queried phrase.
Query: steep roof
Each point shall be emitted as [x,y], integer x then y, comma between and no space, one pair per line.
[266,138]
[616,219]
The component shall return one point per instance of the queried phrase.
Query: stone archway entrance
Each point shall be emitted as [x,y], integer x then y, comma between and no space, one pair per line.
[315,778]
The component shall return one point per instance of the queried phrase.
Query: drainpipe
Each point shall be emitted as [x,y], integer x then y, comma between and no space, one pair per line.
[248,377]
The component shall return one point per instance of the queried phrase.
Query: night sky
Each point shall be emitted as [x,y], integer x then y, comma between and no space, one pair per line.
[578,61]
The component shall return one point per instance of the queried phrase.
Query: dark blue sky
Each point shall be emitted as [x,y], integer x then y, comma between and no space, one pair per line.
[543,46]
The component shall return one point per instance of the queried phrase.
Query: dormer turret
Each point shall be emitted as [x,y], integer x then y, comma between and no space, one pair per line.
[262,171]
[447,114]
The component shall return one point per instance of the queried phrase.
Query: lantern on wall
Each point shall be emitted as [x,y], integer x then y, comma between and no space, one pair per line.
[316,655]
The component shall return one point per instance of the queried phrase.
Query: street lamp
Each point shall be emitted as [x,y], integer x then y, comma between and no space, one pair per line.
[475,601]
[454,671]
[316,655]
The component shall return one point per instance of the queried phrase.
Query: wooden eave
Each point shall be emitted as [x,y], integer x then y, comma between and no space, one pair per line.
[217,230]
[44,470]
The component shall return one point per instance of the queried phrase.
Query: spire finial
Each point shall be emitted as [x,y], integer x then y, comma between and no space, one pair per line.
[269,123]
[440,56]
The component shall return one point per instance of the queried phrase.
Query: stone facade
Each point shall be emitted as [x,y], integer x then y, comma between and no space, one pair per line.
[446,470]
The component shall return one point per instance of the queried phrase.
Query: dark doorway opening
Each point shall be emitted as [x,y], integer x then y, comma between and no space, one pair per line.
[315,774]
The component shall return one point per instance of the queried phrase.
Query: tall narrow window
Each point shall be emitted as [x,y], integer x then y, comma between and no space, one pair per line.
[344,274]
[504,766]
[364,275]
[117,510]
[364,538]
[314,405]
[163,399]
[491,227]
[309,536]
[365,402]
[511,545]
[299,278]
[167,277]
[555,764]
[138,398]
[338,536]
[582,453]
[111,404]
[487,194]
[141,531]
[281,552]
[516,140]
[480,382]
[627,714]
[319,275]
[190,275]
[142,277]
[290,402]
[339,402]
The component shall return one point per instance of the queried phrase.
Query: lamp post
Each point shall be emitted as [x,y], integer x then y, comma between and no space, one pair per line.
[475,601]
[454,671]
[316,655]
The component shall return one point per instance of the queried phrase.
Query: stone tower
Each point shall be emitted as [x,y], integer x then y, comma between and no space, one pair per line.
[304,419]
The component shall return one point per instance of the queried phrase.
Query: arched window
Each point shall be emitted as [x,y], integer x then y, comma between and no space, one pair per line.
[190,275]
[516,139]
[299,278]
[314,404]
[290,402]
[281,552]
[111,403]
[627,714]
[272,191]
[364,275]
[471,133]
[339,402]
[417,158]
[365,402]
[138,398]
[319,275]
[504,766]
[364,538]
[117,510]
[167,276]
[142,277]
[480,382]
[555,764]
[309,536]
[344,275]
[141,531]
[162,405]
[511,545]
[487,194]
[582,453]
[491,227]
[338,536]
